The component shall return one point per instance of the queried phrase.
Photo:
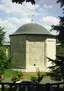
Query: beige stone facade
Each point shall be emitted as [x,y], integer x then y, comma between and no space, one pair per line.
[50,51]
[38,48]
[35,52]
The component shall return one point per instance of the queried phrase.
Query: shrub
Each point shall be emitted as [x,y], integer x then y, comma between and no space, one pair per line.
[14,79]
[1,77]
[34,79]
[18,77]
[38,78]
[20,74]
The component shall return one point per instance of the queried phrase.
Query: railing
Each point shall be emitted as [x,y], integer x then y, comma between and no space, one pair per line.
[31,87]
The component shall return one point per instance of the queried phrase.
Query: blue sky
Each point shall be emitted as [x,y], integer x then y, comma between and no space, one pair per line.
[44,12]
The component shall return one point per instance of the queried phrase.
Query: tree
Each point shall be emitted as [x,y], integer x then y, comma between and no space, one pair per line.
[3,60]
[2,34]
[60,27]
[60,50]
[2,53]
[57,69]
[21,1]
[61,2]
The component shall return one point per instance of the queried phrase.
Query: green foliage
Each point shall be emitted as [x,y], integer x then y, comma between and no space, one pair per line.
[3,60]
[60,26]
[60,50]
[1,77]
[61,1]
[57,69]
[20,73]
[14,79]
[2,34]
[2,51]
[8,73]
[16,76]
[33,79]
[21,1]
[4,63]
[38,78]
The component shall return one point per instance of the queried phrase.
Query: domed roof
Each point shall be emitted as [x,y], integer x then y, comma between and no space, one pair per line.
[32,28]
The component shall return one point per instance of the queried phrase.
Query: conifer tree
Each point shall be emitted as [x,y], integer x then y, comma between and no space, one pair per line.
[57,68]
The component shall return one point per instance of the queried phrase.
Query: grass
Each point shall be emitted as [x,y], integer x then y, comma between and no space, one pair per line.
[29,74]
[8,73]
[26,75]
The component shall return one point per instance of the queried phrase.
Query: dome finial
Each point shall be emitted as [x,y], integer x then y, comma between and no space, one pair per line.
[32,20]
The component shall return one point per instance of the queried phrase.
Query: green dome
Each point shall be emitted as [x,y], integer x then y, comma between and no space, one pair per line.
[32,28]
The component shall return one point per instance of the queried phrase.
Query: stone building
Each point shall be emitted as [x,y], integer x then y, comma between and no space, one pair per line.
[31,44]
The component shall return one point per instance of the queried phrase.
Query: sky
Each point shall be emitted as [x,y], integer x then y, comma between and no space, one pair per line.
[44,12]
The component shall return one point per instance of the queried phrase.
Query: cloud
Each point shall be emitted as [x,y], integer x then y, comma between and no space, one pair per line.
[18,21]
[15,15]
[12,24]
[41,9]
[47,6]
[9,28]
[54,32]
[50,20]
[47,27]
[24,9]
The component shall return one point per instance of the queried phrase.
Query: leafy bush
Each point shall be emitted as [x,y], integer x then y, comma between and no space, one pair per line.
[34,79]
[20,73]
[1,77]
[38,78]
[14,78]
[4,62]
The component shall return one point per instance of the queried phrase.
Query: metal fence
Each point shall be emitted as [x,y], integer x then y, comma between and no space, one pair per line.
[26,86]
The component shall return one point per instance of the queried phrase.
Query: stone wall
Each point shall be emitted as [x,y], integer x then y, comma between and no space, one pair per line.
[30,52]
[50,50]
[18,51]
[35,52]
